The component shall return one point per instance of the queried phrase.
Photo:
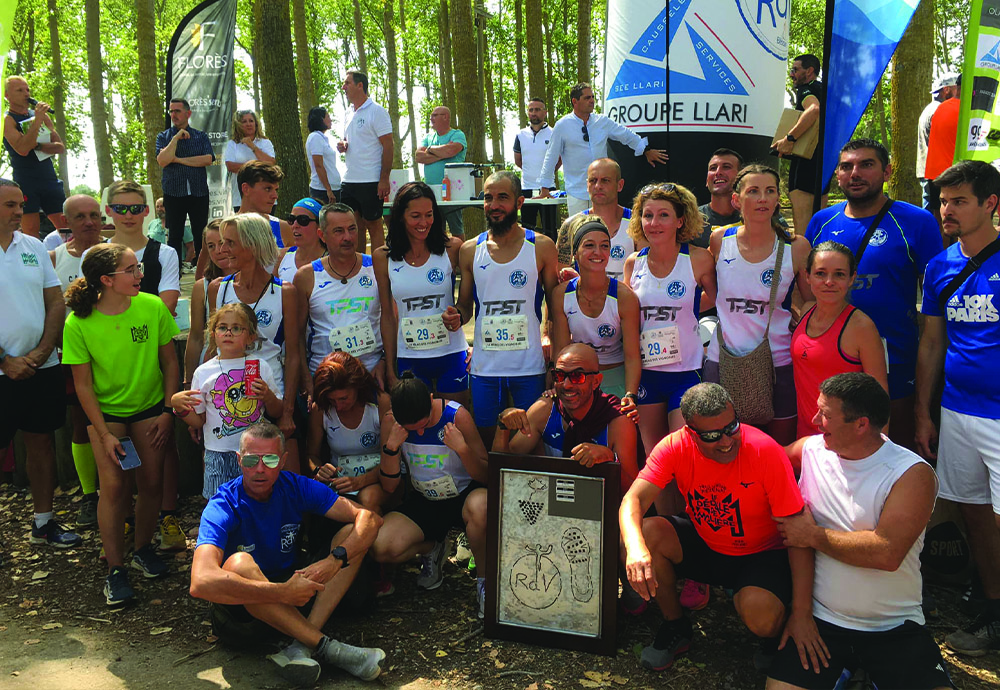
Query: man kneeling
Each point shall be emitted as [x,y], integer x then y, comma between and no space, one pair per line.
[735,479]
[244,561]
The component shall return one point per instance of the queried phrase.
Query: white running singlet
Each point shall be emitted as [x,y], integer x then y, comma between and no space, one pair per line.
[270,345]
[421,292]
[436,471]
[603,333]
[622,245]
[349,312]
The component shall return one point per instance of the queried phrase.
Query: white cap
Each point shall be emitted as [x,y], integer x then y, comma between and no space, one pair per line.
[946,79]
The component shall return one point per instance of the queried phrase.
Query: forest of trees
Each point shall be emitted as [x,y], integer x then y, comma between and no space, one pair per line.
[101,63]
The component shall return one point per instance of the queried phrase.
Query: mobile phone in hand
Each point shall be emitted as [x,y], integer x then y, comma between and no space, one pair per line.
[130,459]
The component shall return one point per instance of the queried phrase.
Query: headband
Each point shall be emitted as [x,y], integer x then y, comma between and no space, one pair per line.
[309,203]
[587,228]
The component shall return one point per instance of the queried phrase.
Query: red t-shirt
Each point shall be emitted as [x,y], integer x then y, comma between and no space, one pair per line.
[942,139]
[730,505]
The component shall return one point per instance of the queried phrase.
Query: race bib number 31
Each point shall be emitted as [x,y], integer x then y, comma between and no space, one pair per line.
[505,332]
[660,346]
[356,339]
[424,332]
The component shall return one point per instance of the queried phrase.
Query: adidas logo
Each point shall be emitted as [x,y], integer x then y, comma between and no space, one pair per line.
[954,302]
[995,276]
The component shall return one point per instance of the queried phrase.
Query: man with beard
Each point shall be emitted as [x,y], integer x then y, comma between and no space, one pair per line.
[506,272]
[961,338]
[891,260]
[530,146]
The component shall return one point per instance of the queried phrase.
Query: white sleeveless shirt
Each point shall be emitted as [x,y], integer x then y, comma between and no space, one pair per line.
[287,267]
[673,300]
[508,312]
[744,296]
[848,495]
[603,333]
[622,245]
[68,267]
[436,471]
[420,292]
[270,345]
[350,313]
[355,451]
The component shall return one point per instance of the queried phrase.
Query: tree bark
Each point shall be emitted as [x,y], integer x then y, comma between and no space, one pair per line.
[535,44]
[470,106]
[911,80]
[447,73]
[410,110]
[58,90]
[303,66]
[277,81]
[359,38]
[583,15]
[496,134]
[522,97]
[95,80]
[149,91]
[550,56]
[392,76]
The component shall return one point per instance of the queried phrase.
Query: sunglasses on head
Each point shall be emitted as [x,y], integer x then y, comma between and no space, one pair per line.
[301,220]
[134,209]
[250,460]
[586,134]
[577,376]
[716,434]
[662,186]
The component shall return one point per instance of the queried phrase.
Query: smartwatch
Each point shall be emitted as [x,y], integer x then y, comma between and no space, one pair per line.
[340,553]
[791,138]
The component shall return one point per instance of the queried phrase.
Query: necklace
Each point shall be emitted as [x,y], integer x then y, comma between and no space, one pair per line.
[343,277]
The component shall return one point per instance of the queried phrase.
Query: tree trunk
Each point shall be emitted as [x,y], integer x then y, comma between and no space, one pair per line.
[359,38]
[496,134]
[522,97]
[880,112]
[58,90]
[550,56]
[911,80]
[535,44]
[303,66]
[277,81]
[583,14]
[470,106]
[447,74]
[149,92]
[392,76]
[410,110]
[95,80]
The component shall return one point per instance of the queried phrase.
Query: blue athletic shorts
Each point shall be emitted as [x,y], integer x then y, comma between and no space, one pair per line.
[447,370]
[489,395]
[902,380]
[665,387]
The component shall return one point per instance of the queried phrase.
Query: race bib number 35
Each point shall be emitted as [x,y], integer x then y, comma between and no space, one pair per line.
[424,332]
[660,346]
[505,332]
[356,339]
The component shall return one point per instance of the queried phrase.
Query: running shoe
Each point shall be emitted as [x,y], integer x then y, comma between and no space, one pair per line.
[462,552]
[672,639]
[146,561]
[695,595]
[117,590]
[54,534]
[171,535]
[87,517]
[977,638]
[431,574]
[360,662]
[296,665]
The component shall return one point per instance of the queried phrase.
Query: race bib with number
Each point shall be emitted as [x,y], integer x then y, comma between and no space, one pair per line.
[356,339]
[424,332]
[357,465]
[505,332]
[437,489]
[660,346]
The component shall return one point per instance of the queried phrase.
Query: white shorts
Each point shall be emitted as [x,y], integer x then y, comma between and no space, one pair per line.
[968,465]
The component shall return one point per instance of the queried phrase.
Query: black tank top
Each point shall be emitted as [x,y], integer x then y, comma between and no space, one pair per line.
[151,269]
[27,167]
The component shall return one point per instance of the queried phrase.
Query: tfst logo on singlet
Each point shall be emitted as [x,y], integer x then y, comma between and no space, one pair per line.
[972,309]
[660,313]
[432,461]
[502,307]
[421,303]
[350,305]
[742,305]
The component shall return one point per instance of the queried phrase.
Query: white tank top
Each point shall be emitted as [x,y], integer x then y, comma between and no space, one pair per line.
[622,245]
[287,267]
[346,442]
[508,296]
[333,305]
[436,471]
[744,295]
[603,333]
[270,345]
[673,300]
[848,495]
[67,266]
[422,291]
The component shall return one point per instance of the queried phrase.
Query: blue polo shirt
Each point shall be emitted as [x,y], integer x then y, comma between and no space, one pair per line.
[434,172]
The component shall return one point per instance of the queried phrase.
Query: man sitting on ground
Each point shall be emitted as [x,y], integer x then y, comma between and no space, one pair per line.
[868,502]
[245,559]
[582,422]
[734,480]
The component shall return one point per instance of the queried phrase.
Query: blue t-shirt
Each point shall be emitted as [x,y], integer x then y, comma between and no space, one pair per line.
[267,531]
[434,172]
[886,286]
[973,322]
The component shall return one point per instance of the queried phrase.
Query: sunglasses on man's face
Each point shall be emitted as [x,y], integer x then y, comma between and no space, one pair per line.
[577,376]
[301,220]
[250,460]
[134,209]
[716,434]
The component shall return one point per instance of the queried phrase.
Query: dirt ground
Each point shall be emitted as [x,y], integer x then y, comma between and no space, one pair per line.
[56,633]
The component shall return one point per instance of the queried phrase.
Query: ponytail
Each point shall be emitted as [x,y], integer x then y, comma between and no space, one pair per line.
[81,297]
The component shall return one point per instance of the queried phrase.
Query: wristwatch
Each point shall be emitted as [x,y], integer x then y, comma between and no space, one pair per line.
[340,553]
[791,138]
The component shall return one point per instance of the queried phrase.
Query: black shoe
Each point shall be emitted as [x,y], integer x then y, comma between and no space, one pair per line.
[146,561]
[672,639]
[117,590]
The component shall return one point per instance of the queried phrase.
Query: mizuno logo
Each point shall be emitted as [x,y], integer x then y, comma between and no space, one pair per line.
[571,311]
[729,261]
[484,266]
[397,270]
[836,232]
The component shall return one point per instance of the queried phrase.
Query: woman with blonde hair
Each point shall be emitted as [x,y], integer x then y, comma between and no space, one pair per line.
[246,143]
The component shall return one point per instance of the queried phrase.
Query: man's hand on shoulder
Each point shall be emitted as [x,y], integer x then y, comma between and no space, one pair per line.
[300,589]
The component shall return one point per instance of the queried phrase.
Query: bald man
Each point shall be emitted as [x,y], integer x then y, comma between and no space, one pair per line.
[582,423]
[31,140]
[441,146]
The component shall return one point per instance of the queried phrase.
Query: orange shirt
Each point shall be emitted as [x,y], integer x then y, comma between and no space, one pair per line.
[731,505]
[942,139]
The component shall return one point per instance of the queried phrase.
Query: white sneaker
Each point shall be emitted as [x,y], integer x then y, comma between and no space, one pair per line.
[296,665]
[431,575]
